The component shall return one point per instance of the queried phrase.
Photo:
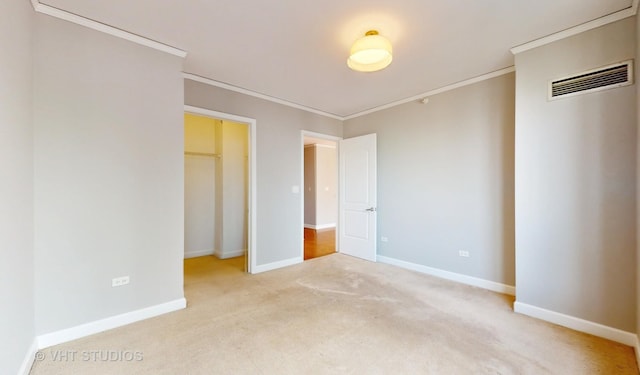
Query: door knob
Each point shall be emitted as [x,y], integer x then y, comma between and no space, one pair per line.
[371,209]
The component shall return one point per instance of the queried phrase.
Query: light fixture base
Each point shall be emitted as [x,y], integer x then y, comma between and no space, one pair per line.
[370,53]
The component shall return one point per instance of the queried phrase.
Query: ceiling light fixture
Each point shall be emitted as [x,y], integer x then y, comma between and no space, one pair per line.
[370,53]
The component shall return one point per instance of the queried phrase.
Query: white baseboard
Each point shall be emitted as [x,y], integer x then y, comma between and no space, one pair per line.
[69,334]
[276,265]
[577,324]
[231,254]
[199,253]
[29,358]
[321,226]
[470,280]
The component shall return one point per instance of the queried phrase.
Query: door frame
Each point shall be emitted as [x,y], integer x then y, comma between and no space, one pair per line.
[303,134]
[252,251]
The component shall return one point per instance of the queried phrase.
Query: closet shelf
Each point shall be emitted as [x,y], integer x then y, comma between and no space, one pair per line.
[202,154]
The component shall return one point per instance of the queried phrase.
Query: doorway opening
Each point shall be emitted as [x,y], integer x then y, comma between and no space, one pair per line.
[219,186]
[320,194]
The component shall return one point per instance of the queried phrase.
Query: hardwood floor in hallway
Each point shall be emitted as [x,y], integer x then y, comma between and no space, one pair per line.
[319,242]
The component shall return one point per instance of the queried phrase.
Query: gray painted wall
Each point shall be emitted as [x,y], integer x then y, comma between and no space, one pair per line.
[16,189]
[279,235]
[109,175]
[576,182]
[445,179]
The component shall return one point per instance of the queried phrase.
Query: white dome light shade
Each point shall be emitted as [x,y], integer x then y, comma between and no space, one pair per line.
[370,53]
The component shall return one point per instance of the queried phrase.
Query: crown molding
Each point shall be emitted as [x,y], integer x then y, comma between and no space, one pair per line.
[226,86]
[211,82]
[95,25]
[101,27]
[610,18]
[440,90]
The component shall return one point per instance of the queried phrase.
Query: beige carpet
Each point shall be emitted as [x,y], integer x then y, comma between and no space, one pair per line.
[337,315]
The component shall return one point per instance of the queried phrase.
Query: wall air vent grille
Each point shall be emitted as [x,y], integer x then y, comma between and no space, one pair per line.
[607,77]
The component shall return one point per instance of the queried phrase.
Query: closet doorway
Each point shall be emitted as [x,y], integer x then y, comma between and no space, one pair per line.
[218,186]
[320,197]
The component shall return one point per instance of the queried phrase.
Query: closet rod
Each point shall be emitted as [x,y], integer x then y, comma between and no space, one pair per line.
[202,154]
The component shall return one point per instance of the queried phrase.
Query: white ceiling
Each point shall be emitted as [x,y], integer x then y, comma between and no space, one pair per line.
[296,50]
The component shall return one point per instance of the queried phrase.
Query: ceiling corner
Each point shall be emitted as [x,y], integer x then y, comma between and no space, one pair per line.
[610,18]
[104,28]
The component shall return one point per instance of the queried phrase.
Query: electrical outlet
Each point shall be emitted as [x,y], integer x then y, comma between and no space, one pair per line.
[384,239]
[463,253]
[120,281]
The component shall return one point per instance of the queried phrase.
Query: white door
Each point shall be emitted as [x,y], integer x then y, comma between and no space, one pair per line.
[358,197]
